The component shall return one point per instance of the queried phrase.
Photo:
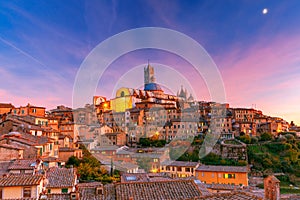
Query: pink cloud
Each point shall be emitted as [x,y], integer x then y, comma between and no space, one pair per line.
[265,74]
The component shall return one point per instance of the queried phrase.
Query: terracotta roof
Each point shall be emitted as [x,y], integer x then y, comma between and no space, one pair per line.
[87,191]
[157,190]
[221,186]
[6,105]
[236,195]
[274,179]
[11,146]
[144,177]
[28,139]
[20,180]
[60,177]
[180,163]
[66,149]
[89,184]
[213,168]
[23,164]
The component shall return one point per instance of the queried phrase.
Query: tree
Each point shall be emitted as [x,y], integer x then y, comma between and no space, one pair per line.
[254,140]
[289,137]
[245,138]
[266,137]
[74,161]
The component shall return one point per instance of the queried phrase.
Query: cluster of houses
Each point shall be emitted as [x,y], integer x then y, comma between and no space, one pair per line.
[32,179]
[35,144]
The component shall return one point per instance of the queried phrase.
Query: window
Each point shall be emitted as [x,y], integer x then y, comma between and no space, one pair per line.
[64,190]
[179,169]
[1,191]
[122,94]
[213,175]
[187,169]
[229,176]
[99,191]
[27,192]
[202,174]
[49,191]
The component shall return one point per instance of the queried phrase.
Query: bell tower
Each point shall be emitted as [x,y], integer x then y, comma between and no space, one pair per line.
[149,74]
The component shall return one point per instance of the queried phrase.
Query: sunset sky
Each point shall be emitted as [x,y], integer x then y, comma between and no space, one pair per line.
[43,44]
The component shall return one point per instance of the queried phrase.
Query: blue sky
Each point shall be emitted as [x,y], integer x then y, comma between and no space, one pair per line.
[43,43]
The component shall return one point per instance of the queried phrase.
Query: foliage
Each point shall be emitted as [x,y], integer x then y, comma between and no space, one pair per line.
[254,140]
[289,137]
[289,191]
[266,137]
[245,139]
[89,168]
[149,142]
[73,161]
[277,157]
[198,140]
[190,156]
[214,159]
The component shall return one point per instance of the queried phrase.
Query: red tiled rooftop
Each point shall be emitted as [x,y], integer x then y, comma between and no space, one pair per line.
[180,163]
[23,164]
[20,180]
[213,168]
[11,146]
[6,105]
[236,195]
[157,190]
[60,177]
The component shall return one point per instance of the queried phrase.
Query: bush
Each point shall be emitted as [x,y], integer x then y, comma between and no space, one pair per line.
[290,137]
[254,140]
[245,139]
[266,137]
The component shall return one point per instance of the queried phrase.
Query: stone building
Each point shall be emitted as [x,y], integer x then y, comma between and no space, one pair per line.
[272,188]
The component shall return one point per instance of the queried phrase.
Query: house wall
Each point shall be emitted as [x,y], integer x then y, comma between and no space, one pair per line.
[17,192]
[58,190]
[174,170]
[10,154]
[218,177]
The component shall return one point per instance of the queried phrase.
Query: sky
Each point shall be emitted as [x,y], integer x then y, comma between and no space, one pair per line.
[44,43]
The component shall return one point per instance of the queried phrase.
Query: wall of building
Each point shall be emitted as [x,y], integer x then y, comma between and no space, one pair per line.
[222,177]
[176,171]
[17,192]
[10,154]
[58,190]
[64,156]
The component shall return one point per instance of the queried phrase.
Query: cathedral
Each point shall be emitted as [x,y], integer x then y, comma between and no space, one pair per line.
[151,96]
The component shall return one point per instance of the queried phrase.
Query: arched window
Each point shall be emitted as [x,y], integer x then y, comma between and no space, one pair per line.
[122,94]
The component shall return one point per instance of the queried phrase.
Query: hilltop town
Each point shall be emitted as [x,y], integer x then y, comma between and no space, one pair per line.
[146,144]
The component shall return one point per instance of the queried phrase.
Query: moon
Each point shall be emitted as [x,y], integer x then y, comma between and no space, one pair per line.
[265,11]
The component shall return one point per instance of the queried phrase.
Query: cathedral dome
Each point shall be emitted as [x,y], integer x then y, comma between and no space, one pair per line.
[152,87]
